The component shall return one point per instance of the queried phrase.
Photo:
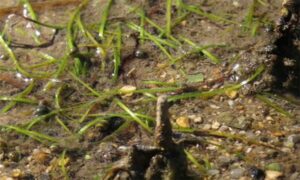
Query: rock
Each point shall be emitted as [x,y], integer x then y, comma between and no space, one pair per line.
[213,172]
[41,156]
[140,54]
[6,178]
[87,157]
[273,175]
[231,103]
[127,90]
[213,106]
[223,128]
[232,94]
[295,176]
[269,118]
[241,122]
[236,4]
[292,140]
[206,127]
[196,119]
[245,178]
[183,122]
[216,125]
[16,173]
[225,117]
[237,173]
[42,109]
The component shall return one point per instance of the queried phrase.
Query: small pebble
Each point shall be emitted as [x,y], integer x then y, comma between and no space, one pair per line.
[163,75]
[183,23]
[183,122]
[232,94]
[273,175]
[236,4]
[198,120]
[40,156]
[212,147]
[295,176]
[213,172]
[206,127]
[214,106]
[242,122]
[256,173]
[140,54]
[6,178]
[223,128]
[127,90]
[237,173]
[216,125]
[269,118]
[16,173]
[292,140]
[231,103]
[87,157]
[41,110]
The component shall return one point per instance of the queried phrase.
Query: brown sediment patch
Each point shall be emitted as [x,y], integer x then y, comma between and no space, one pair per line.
[38,6]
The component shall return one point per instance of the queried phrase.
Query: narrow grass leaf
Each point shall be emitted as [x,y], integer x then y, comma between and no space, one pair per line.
[38,119]
[250,14]
[70,27]
[97,121]
[104,17]
[212,17]
[94,92]
[142,24]
[168,17]
[209,94]
[63,163]
[200,167]
[273,105]
[20,95]
[33,16]
[213,58]
[13,57]
[133,115]
[117,53]
[62,124]
[33,134]
[18,100]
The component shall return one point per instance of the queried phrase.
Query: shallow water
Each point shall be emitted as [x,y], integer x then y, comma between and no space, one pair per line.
[244,113]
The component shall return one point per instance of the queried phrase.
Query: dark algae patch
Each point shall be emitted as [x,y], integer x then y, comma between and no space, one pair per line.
[151,89]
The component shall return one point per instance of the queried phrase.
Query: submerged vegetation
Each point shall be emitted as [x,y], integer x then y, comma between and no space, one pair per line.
[93,79]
